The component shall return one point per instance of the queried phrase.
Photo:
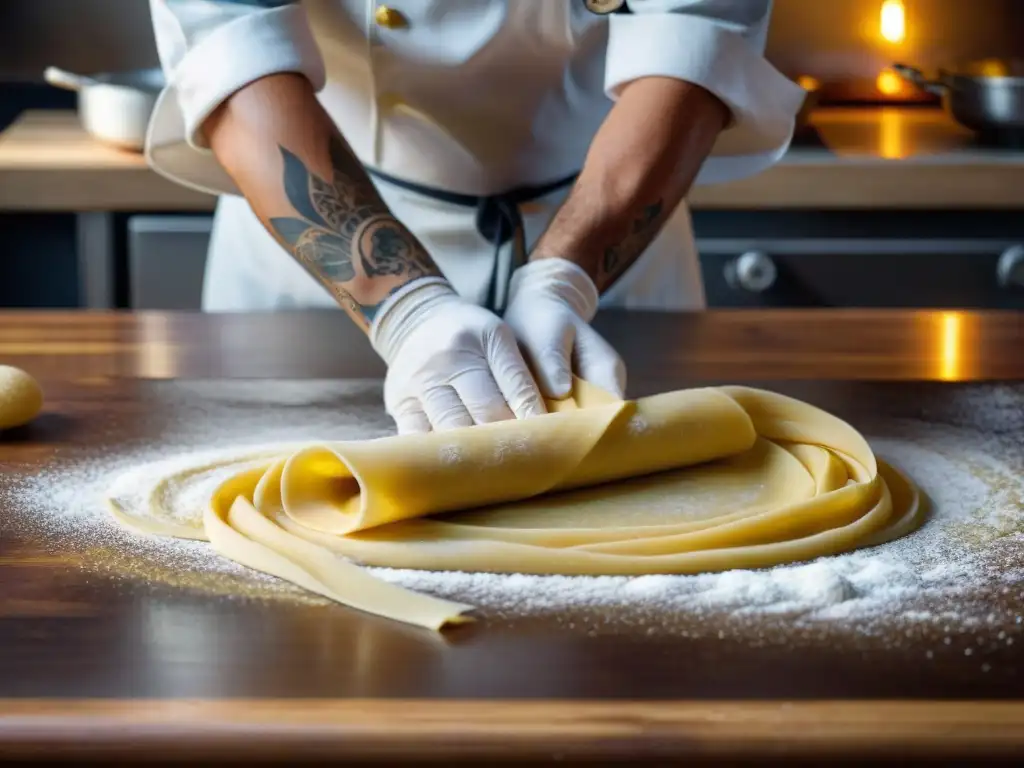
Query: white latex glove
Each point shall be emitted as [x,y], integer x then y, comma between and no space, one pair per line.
[551,304]
[450,363]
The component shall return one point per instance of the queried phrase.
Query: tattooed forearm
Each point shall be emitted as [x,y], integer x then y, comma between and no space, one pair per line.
[617,258]
[344,235]
[385,248]
[649,148]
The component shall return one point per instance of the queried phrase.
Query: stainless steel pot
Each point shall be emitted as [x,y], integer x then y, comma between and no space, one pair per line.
[984,96]
[114,108]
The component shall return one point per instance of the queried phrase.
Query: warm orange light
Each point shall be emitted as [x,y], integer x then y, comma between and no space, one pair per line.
[890,139]
[893,24]
[889,83]
[949,350]
[808,83]
[993,68]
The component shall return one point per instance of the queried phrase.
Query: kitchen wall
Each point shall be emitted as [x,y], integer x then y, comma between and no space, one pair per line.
[82,35]
[818,37]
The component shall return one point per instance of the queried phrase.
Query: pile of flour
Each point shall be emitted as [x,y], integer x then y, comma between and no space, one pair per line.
[974,537]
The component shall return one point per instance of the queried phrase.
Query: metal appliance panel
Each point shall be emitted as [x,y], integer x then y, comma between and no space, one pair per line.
[864,272]
[166,260]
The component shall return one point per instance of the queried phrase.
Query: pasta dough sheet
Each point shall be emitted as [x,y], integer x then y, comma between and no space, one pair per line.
[684,482]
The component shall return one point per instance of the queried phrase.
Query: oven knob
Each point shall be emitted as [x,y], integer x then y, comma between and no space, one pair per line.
[1010,268]
[753,271]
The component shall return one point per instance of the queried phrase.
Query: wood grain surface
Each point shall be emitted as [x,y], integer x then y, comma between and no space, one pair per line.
[838,345]
[110,662]
[428,731]
[889,157]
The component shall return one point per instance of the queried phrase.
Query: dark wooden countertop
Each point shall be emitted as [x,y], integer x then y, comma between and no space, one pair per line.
[83,671]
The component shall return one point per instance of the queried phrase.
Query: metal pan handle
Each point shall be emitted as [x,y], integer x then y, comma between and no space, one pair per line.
[916,76]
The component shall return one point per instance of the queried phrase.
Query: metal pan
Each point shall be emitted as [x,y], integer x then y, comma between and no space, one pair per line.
[985,96]
[114,108]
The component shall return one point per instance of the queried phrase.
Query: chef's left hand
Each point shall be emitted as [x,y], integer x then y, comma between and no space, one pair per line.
[551,304]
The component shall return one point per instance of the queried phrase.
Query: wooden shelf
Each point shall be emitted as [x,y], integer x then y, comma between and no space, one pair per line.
[898,158]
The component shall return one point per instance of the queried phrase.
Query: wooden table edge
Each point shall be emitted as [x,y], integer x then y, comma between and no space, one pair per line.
[358,728]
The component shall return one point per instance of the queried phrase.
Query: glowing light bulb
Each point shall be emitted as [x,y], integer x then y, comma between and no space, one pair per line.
[893,21]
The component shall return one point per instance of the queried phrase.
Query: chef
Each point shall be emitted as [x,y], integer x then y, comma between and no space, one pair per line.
[468,179]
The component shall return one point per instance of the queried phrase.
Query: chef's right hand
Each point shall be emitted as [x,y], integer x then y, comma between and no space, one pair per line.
[450,363]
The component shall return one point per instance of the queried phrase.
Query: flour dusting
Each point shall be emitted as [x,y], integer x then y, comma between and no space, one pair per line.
[926,582]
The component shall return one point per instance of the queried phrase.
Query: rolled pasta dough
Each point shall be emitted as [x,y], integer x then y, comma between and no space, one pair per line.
[685,482]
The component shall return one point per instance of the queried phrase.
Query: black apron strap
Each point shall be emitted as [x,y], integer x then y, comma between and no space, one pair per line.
[497,219]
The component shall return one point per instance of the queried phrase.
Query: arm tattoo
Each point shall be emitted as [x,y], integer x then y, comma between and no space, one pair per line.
[385,249]
[342,231]
[617,258]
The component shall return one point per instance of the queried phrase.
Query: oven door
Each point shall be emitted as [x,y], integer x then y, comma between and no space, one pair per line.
[864,272]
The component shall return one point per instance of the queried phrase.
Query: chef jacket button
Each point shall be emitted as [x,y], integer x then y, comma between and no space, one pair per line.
[389,18]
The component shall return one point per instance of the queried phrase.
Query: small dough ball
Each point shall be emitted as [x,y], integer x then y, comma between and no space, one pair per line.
[21,397]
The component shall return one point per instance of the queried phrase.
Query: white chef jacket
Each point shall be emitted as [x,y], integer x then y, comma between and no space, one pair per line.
[471,96]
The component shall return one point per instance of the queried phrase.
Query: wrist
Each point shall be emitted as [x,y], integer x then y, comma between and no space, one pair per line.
[559,278]
[403,310]
[577,238]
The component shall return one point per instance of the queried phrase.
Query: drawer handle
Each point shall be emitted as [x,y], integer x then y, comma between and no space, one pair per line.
[752,271]
[1010,267]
